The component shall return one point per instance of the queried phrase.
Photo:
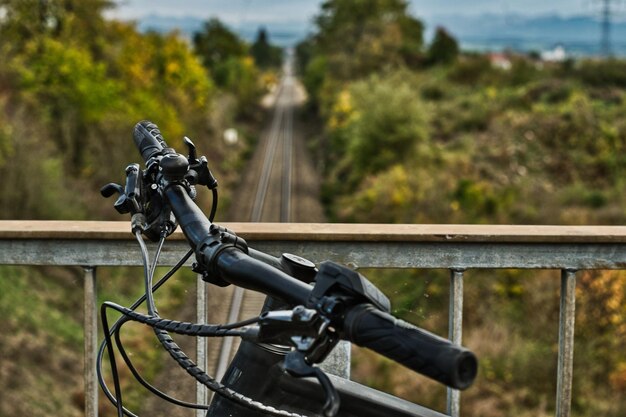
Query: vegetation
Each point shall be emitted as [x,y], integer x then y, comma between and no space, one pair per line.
[265,54]
[444,48]
[412,133]
[72,86]
[444,137]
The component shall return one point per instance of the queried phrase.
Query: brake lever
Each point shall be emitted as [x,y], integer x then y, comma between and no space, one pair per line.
[129,196]
[199,172]
[191,147]
[110,189]
[312,344]
[296,365]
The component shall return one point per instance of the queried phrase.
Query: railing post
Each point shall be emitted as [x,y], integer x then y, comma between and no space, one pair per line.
[338,362]
[455,332]
[201,342]
[566,343]
[227,342]
[91,341]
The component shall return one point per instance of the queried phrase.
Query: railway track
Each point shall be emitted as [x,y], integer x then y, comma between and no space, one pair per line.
[279,185]
[272,200]
[275,181]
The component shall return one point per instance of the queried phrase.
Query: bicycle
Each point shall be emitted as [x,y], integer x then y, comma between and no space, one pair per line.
[306,312]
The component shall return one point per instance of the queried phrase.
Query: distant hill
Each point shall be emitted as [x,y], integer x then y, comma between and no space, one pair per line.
[580,35]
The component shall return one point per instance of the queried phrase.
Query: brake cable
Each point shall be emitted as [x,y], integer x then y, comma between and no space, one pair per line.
[186,363]
[168,343]
[146,384]
[127,359]
[181,358]
[200,375]
[120,321]
[148,275]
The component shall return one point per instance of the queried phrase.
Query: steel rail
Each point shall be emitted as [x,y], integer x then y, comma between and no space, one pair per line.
[270,151]
[282,127]
[287,169]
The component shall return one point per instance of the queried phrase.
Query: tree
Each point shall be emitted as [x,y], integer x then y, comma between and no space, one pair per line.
[265,55]
[76,21]
[227,58]
[72,91]
[363,36]
[444,49]
[216,44]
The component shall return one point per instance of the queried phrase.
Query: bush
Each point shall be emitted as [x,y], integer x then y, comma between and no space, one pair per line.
[602,73]
[471,70]
[384,121]
[314,76]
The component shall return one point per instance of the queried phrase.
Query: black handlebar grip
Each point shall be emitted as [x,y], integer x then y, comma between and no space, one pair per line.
[415,348]
[148,139]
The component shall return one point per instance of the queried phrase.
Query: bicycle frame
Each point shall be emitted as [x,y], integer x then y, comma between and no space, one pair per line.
[302,396]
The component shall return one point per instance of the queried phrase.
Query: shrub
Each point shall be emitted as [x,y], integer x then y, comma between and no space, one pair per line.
[610,72]
[385,121]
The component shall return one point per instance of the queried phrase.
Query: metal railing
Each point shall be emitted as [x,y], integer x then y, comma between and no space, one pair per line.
[457,248]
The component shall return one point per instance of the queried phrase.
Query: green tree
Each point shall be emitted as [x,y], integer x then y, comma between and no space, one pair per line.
[227,58]
[22,20]
[364,36]
[84,77]
[240,76]
[265,54]
[444,49]
[216,44]
[76,21]
[71,90]
[183,78]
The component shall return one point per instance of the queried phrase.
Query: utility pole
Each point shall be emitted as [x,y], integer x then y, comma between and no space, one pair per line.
[608,11]
[605,43]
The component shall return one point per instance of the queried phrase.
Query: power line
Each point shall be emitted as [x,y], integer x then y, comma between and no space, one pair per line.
[607,13]
[605,42]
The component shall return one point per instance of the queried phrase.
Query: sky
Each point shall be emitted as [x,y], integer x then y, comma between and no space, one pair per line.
[236,11]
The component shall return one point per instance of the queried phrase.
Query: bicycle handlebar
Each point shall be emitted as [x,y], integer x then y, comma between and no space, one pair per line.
[417,349]
[231,263]
[411,346]
[148,139]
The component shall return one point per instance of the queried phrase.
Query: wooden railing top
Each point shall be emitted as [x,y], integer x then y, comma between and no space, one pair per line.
[106,230]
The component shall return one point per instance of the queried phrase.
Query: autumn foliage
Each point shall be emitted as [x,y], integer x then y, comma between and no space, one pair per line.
[450,137]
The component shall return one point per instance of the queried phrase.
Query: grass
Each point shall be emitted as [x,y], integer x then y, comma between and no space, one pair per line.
[42,309]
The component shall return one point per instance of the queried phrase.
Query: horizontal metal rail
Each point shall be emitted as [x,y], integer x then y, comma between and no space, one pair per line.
[453,247]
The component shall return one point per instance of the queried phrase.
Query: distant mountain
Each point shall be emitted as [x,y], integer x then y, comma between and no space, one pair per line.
[579,35]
